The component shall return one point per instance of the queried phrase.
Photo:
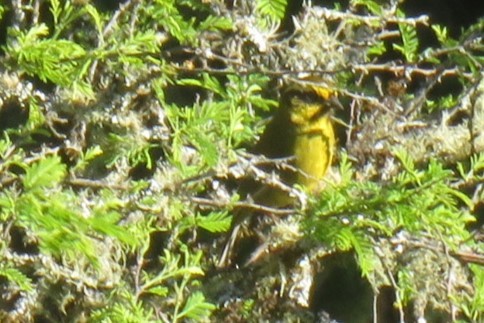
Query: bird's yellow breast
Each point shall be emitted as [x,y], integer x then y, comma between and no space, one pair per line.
[313,151]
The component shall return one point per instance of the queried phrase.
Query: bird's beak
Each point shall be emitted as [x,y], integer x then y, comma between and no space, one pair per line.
[336,103]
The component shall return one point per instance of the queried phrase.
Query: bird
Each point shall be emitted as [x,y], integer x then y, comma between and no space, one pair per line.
[302,131]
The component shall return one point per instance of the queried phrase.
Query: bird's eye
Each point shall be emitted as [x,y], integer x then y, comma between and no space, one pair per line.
[305,97]
[311,97]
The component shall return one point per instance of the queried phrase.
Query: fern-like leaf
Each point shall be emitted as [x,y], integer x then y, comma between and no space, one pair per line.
[275,9]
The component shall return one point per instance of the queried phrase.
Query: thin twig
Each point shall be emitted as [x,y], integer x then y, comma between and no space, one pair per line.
[84,182]
[371,20]
[245,205]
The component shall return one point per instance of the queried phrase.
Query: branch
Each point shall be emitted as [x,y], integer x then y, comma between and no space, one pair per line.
[246,205]
[371,20]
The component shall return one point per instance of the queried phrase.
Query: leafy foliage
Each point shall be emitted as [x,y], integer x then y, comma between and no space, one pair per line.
[160,285]
[274,9]
[410,43]
[59,61]
[50,214]
[124,139]
[353,215]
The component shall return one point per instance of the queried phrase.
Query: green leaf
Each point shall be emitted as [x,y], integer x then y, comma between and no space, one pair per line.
[206,148]
[410,45]
[196,307]
[98,21]
[16,277]
[216,23]
[275,9]
[107,224]
[208,82]
[159,291]
[56,10]
[34,34]
[45,173]
[214,222]
[36,116]
[376,49]
[441,33]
